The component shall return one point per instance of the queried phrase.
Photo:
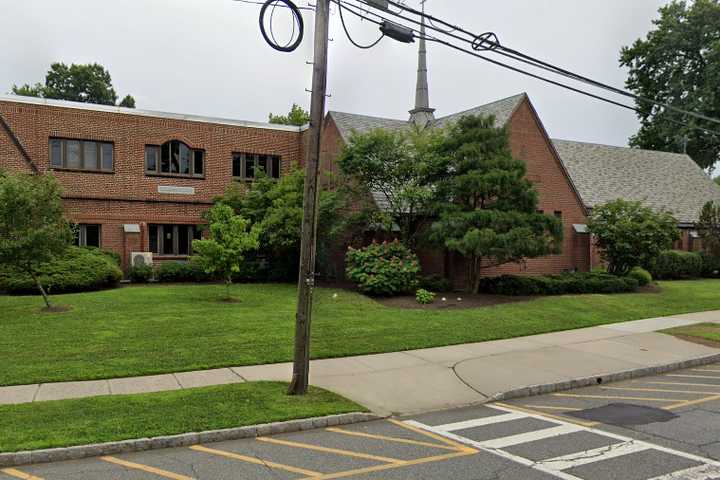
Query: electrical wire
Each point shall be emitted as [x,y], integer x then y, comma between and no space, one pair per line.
[347,33]
[297,18]
[254,2]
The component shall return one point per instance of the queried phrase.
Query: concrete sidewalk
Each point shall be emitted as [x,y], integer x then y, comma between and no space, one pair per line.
[437,378]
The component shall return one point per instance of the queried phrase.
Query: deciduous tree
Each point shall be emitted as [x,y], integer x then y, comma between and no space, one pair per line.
[297,116]
[709,228]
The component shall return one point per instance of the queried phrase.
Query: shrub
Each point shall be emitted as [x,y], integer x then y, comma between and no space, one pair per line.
[80,269]
[710,265]
[676,264]
[383,268]
[641,275]
[140,273]
[435,283]
[181,272]
[424,297]
[567,283]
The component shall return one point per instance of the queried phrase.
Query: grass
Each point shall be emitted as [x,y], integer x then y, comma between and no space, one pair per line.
[169,328]
[65,423]
[706,333]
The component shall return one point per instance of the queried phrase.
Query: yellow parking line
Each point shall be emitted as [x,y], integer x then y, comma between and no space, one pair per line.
[666,390]
[145,468]
[683,375]
[460,447]
[389,439]
[549,415]
[687,384]
[692,402]
[402,463]
[256,461]
[548,407]
[18,474]
[335,451]
[705,370]
[615,397]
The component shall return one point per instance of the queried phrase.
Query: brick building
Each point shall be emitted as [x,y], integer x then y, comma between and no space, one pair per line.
[139,181]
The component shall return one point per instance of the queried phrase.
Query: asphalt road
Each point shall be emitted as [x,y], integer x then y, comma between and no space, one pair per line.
[665,427]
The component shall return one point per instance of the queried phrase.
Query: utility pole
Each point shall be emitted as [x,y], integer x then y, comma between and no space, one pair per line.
[306,278]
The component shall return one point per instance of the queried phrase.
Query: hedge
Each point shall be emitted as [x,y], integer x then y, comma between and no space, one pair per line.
[383,269]
[710,265]
[181,272]
[558,284]
[677,264]
[81,269]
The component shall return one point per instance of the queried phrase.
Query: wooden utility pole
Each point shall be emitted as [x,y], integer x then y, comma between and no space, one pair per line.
[306,278]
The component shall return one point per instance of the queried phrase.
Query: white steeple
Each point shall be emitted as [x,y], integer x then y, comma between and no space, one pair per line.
[422,114]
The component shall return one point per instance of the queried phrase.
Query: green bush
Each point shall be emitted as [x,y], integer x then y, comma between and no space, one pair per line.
[641,275]
[383,269]
[176,272]
[568,283]
[80,269]
[424,297]
[710,265]
[435,283]
[140,273]
[676,264]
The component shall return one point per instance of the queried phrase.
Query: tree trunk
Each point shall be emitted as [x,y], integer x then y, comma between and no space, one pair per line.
[44,294]
[228,281]
[478,269]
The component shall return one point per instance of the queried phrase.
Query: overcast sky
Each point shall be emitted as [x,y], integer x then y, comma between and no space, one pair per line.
[207,57]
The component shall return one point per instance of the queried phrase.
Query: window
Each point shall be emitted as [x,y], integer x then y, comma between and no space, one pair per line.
[84,155]
[174,158]
[174,240]
[558,214]
[245,166]
[87,235]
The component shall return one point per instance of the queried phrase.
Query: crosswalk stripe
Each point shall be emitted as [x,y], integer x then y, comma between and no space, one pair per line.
[479,422]
[520,438]
[701,472]
[572,460]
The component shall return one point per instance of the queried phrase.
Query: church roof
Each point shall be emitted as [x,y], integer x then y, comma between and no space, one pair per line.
[663,181]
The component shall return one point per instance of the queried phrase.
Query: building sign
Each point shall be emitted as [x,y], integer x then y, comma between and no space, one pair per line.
[176,190]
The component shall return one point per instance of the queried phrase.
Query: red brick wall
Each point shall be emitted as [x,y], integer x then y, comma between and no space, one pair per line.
[128,195]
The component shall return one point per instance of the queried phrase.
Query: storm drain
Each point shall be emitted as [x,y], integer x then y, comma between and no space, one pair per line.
[624,414]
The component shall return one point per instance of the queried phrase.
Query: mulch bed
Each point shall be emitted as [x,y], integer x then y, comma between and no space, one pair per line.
[453,301]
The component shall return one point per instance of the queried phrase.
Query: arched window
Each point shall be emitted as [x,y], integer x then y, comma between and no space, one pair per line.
[174,158]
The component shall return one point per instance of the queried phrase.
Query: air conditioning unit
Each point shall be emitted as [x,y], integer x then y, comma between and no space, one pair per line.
[141,258]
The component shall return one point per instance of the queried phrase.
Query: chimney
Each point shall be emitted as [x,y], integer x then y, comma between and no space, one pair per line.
[422,115]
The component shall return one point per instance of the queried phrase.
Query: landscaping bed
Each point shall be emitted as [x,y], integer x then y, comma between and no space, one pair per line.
[453,301]
[64,423]
[152,329]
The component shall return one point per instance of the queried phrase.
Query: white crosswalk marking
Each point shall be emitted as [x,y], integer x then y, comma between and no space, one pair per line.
[558,466]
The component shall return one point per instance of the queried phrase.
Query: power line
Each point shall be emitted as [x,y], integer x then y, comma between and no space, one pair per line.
[347,33]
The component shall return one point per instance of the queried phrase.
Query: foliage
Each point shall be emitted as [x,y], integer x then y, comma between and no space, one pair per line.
[435,283]
[89,83]
[678,63]
[708,227]
[140,273]
[33,229]
[383,269]
[488,209]
[191,271]
[230,238]
[424,297]
[629,234]
[710,265]
[392,165]
[276,208]
[641,275]
[296,116]
[676,264]
[567,283]
[78,269]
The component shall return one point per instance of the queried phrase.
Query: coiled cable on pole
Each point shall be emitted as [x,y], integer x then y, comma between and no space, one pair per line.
[297,19]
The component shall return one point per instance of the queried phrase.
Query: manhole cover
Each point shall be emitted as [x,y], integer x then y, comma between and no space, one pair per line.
[624,414]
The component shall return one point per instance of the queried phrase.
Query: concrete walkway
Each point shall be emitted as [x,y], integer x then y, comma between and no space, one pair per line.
[436,378]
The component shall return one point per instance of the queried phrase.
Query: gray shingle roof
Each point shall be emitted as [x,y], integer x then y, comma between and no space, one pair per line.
[502,109]
[663,181]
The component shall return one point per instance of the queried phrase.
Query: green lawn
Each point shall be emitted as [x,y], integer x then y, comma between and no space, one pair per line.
[703,332]
[31,426]
[169,328]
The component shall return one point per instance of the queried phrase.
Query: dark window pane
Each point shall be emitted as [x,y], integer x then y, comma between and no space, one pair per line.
[197,232]
[107,156]
[237,165]
[199,157]
[174,157]
[56,152]
[275,167]
[184,160]
[183,240]
[76,234]
[73,154]
[263,164]
[165,159]
[168,240]
[151,159]
[153,233]
[92,235]
[90,156]
[249,167]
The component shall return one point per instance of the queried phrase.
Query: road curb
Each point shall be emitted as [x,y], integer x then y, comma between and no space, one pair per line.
[182,440]
[604,378]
